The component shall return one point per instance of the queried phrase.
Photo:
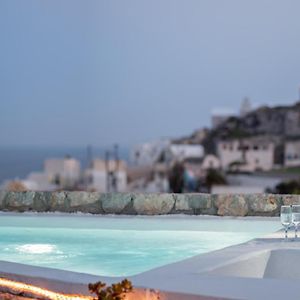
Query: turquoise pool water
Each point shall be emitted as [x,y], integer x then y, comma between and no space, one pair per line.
[119,246]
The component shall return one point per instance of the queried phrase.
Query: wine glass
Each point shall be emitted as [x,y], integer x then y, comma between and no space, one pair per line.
[286,217]
[296,218]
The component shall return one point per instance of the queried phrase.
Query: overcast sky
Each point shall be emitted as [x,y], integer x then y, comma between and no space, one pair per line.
[99,72]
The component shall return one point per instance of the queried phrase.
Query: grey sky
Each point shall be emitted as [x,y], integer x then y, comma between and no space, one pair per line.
[78,72]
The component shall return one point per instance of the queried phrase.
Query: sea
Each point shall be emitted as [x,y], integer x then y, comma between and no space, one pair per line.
[18,162]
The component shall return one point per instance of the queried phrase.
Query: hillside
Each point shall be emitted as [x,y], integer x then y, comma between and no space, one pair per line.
[280,122]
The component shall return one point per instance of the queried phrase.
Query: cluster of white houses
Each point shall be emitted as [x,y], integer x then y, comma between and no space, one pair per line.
[153,161]
[248,154]
[256,153]
[66,174]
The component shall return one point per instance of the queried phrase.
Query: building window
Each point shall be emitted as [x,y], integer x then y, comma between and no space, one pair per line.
[255,147]
[243,147]
[224,146]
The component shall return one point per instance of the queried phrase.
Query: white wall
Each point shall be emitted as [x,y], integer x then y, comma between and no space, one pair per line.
[258,156]
[148,153]
[292,154]
[235,189]
[211,162]
[68,170]
[98,180]
[182,151]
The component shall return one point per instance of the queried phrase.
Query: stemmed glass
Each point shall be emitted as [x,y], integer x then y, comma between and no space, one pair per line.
[296,218]
[286,218]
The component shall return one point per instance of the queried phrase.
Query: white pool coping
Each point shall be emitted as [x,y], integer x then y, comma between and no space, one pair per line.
[196,276]
[123,216]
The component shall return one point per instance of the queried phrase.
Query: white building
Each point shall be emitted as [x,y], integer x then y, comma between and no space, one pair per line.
[106,176]
[292,153]
[164,151]
[181,152]
[64,172]
[247,154]
[57,174]
[147,154]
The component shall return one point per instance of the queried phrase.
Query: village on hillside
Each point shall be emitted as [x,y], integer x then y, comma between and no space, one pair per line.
[258,148]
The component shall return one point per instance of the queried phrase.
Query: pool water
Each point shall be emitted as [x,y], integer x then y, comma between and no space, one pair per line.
[118,245]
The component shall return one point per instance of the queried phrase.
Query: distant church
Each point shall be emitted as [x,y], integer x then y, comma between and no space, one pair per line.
[246,107]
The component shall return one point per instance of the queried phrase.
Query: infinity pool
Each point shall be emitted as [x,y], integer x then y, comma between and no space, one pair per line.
[119,245]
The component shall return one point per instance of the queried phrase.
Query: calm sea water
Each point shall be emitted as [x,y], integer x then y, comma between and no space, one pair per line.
[18,162]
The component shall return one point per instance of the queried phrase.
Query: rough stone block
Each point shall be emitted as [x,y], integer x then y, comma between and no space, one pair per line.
[2,196]
[182,204]
[290,199]
[116,203]
[19,201]
[231,205]
[42,201]
[153,204]
[193,203]
[199,201]
[83,202]
[263,204]
[58,201]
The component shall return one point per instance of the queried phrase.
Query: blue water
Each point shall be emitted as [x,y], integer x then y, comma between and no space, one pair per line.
[18,162]
[118,246]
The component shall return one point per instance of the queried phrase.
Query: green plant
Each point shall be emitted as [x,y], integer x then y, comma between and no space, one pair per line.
[214,177]
[289,187]
[176,180]
[116,291]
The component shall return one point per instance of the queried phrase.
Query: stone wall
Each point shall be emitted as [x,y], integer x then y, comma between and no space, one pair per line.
[146,204]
